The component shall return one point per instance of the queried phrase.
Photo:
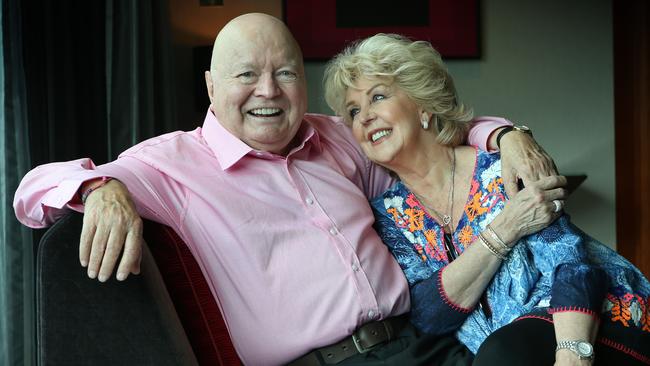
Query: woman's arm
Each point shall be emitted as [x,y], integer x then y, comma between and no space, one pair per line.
[573,326]
[466,278]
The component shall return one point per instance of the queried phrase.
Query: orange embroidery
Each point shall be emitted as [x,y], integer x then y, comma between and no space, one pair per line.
[396,217]
[431,236]
[620,310]
[466,235]
[495,185]
[474,208]
[415,219]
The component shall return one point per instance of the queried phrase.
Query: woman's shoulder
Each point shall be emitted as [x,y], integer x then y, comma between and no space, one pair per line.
[397,191]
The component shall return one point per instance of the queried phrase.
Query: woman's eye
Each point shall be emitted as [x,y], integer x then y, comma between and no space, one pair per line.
[353,112]
[377,97]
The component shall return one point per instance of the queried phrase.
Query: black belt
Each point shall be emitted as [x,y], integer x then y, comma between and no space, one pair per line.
[365,338]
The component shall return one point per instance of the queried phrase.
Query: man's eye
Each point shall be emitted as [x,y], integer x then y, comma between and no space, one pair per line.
[287,75]
[377,97]
[246,75]
[353,112]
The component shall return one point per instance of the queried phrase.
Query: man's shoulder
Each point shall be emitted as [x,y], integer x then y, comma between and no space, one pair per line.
[331,128]
[325,123]
[177,142]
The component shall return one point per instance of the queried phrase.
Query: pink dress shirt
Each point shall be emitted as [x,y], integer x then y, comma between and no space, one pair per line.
[286,243]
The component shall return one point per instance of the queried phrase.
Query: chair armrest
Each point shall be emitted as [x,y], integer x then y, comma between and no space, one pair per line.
[83,322]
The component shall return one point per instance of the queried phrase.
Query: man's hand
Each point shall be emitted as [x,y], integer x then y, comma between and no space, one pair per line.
[111,224]
[522,158]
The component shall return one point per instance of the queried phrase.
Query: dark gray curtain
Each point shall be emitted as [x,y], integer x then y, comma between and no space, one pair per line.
[16,256]
[81,79]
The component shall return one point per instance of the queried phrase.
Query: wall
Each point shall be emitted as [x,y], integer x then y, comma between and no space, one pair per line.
[546,64]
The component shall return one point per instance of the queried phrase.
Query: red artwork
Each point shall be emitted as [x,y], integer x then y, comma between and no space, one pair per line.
[323,28]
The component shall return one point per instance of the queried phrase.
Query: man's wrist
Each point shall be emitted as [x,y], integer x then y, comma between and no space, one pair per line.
[90,186]
[511,129]
[492,139]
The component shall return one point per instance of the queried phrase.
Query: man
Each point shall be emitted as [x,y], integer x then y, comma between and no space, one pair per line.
[272,203]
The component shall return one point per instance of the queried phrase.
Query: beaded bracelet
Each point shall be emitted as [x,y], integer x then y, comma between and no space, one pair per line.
[490,247]
[87,192]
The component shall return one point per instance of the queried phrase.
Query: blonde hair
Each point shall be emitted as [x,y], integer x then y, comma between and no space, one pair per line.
[414,66]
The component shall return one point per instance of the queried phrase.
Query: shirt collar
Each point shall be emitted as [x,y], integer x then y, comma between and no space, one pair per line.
[228,149]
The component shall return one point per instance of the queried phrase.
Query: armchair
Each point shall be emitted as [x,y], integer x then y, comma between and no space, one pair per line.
[164,316]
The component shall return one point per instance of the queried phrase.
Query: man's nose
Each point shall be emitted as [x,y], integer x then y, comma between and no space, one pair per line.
[267,87]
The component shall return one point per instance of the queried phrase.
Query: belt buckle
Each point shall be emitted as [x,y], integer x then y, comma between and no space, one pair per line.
[357,344]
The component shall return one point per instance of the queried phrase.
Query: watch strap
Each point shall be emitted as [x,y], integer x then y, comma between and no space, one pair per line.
[501,133]
[574,347]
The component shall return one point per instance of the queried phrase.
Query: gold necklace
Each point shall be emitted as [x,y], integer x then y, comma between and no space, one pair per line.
[446,219]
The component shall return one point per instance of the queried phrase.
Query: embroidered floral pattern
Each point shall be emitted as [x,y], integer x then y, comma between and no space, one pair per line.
[466,235]
[629,310]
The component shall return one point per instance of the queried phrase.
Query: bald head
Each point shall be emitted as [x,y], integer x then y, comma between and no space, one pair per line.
[256,82]
[253,29]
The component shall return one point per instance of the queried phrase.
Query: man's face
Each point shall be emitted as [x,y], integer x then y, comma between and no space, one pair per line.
[259,92]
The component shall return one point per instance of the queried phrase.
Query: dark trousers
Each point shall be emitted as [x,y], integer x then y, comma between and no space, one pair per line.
[413,348]
[531,342]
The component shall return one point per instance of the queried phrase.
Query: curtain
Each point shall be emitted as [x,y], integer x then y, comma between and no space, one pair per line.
[81,79]
[16,254]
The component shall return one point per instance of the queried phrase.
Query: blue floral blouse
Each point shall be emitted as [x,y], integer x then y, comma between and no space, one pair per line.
[578,274]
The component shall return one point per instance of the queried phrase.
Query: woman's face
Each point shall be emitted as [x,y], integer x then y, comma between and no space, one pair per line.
[385,121]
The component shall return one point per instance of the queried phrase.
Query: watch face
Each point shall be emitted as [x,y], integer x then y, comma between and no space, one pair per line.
[522,128]
[585,349]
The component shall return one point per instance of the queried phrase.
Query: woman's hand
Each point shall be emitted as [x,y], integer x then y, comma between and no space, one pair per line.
[531,210]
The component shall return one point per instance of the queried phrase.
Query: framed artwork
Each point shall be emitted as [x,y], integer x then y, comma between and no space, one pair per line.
[324,27]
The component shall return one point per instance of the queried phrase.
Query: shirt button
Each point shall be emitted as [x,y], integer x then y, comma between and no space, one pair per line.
[309,201]
[333,231]
[355,268]
[371,314]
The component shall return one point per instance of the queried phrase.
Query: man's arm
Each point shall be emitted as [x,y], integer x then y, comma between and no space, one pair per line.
[112,213]
[521,156]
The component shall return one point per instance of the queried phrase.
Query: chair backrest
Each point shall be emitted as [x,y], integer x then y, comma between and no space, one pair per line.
[165,316]
[196,307]
[83,322]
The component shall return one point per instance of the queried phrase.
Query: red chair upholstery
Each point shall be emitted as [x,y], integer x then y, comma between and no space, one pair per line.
[189,291]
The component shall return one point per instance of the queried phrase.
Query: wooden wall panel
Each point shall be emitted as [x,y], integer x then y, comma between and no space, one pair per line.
[631,19]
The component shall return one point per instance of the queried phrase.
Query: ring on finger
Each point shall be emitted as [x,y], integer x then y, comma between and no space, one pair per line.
[558,205]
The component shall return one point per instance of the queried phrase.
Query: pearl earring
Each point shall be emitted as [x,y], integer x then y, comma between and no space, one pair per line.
[425,123]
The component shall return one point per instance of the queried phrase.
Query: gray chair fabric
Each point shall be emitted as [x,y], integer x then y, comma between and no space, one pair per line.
[84,322]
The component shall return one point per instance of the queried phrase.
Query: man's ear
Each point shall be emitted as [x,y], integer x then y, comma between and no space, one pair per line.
[209,85]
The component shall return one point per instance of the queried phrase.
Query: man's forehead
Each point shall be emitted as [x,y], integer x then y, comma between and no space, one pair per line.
[258,57]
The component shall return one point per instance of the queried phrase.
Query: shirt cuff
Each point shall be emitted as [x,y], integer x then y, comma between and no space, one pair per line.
[66,191]
[482,128]
[445,299]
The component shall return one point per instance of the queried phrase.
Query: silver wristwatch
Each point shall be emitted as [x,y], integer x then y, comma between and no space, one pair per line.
[583,349]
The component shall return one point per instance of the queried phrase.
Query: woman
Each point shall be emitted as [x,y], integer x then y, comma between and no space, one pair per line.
[401,105]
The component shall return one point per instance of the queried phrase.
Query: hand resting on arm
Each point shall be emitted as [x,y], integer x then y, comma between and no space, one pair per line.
[111,226]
